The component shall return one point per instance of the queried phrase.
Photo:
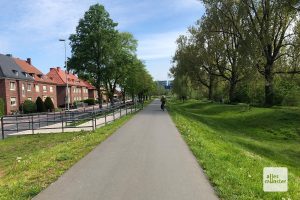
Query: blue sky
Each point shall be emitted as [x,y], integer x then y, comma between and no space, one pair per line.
[31,28]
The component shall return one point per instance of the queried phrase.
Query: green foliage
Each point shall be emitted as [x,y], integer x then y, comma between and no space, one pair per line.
[238,54]
[90,101]
[40,106]
[49,104]
[92,44]
[28,107]
[107,57]
[2,106]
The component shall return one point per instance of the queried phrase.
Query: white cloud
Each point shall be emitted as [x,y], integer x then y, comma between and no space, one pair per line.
[31,28]
[157,46]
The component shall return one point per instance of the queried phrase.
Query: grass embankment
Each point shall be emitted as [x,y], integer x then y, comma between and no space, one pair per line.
[234,143]
[28,164]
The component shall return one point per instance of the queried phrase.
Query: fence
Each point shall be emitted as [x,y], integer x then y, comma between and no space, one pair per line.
[71,121]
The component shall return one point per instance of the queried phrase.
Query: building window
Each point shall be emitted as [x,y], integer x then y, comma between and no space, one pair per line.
[51,88]
[74,89]
[16,73]
[28,87]
[13,101]
[12,85]
[29,98]
[44,88]
[37,88]
[23,89]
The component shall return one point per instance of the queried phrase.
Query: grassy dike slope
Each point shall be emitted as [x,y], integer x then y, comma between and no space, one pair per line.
[234,143]
[43,158]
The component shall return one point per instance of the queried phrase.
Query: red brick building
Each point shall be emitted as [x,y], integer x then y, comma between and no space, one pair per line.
[20,81]
[42,85]
[92,90]
[78,89]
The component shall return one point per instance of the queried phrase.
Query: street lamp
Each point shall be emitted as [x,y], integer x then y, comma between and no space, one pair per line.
[67,92]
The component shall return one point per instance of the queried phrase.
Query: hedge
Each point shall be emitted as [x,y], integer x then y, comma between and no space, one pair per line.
[90,101]
[2,105]
[28,107]
[49,104]
[40,106]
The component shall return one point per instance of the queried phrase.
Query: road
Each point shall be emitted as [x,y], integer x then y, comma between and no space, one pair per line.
[12,125]
[146,159]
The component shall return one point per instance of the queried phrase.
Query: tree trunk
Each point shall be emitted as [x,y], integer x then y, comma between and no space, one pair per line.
[211,87]
[124,96]
[111,98]
[99,96]
[269,90]
[232,95]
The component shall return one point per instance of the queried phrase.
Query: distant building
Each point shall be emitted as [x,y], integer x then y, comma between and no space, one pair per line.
[166,84]
[78,89]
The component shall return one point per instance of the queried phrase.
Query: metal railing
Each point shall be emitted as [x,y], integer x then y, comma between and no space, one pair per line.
[76,120]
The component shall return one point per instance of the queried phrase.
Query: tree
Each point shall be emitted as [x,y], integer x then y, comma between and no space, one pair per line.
[122,58]
[49,104]
[92,45]
[40,106]
[269,22]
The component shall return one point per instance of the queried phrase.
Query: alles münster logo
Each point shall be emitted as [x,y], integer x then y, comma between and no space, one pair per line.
[275,179]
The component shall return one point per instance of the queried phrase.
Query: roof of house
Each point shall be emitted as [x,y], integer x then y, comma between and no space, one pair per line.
[10,69]
[33,71]
[89,86]
[60,77]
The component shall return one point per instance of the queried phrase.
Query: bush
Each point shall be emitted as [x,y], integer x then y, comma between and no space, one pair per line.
[49,104]
[2,104]
[40,106]
[28,107]
[90,101]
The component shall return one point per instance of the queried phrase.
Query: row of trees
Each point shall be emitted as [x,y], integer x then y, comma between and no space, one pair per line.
[107,57]
[242,51]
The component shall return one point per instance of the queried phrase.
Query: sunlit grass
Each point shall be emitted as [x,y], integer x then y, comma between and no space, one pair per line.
[233,143]
[28,164]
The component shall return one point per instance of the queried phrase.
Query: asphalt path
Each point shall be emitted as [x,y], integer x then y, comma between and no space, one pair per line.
[146,159]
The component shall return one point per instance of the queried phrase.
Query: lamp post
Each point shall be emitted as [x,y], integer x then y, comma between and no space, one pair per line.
[67,92]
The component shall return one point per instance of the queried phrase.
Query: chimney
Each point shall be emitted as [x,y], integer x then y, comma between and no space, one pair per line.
[9,55]
[51,68]
[28,61]
[58,68]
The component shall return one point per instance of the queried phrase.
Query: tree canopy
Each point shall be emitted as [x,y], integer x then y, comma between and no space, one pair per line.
[105,56]
[240,50]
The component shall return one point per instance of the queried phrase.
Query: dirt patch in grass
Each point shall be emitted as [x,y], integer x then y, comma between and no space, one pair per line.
[1,173]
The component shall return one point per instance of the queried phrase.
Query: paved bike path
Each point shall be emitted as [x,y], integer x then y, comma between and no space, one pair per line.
[146,159]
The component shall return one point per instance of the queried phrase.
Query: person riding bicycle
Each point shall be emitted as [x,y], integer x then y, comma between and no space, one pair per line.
[163,102]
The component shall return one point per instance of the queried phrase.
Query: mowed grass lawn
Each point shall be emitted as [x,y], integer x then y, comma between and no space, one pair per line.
[234,143]
[28,164]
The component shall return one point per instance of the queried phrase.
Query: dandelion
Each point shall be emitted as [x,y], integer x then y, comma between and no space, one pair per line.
[19,159]
[249,175]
